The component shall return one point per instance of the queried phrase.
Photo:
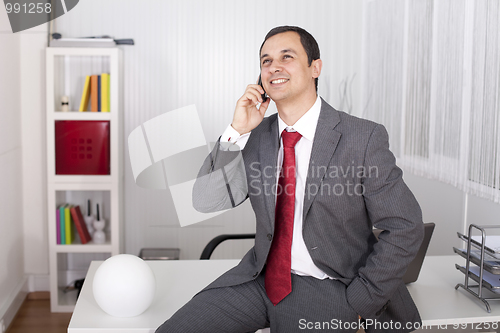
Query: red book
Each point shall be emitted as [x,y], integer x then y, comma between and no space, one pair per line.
[81,227]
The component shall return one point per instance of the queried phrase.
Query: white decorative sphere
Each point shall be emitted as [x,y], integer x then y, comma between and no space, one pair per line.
[124,286]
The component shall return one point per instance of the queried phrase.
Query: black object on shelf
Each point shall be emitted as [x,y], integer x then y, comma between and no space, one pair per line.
[78,286]
[127,41]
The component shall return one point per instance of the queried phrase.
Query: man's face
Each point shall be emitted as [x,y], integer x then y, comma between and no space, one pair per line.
[286,74]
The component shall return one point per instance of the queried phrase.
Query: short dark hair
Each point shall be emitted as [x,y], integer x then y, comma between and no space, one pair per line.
[308,43]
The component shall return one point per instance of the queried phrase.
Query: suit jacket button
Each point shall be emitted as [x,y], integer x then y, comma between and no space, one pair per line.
[255,275]
[270,237]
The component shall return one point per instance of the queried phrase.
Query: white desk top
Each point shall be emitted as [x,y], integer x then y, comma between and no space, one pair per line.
[439,303]
[179,280]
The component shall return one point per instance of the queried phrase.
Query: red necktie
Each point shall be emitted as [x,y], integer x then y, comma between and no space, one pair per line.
[278,279]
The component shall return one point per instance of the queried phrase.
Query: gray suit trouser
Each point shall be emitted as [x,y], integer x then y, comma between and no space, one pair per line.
[313,306]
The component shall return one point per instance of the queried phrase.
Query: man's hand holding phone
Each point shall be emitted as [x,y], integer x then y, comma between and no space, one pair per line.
[247,115]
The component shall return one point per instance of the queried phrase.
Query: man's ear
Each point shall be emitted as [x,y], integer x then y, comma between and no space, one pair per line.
[317,65]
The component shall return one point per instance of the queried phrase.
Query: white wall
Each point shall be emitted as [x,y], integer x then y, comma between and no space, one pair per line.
[186,52]
[11,210]
[452,211]
[205,53]
[442,204]
[34,165]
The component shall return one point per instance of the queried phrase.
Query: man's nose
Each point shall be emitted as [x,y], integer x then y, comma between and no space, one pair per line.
[275,68]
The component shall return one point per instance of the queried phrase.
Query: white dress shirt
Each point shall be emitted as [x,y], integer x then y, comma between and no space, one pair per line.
[302,263]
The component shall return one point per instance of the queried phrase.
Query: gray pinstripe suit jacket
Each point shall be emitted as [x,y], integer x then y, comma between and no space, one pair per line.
[353,184]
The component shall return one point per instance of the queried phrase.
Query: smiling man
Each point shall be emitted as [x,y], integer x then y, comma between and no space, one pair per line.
[316,264]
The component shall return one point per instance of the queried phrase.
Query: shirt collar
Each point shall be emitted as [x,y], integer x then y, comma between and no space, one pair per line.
[306,125]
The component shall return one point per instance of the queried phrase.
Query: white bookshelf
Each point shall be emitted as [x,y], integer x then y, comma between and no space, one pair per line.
[66,69]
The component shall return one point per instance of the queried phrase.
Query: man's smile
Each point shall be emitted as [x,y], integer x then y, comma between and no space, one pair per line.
[279,81]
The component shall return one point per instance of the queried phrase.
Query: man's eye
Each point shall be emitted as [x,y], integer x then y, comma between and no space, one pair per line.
[265,61]
[287,56]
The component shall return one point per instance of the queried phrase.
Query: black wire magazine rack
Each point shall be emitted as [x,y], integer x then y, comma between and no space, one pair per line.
[486,271]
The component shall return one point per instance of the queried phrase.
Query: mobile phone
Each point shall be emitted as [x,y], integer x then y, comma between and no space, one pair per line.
[264,95]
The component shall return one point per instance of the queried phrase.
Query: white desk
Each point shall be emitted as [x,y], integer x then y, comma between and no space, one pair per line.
[177,281]
[439,303]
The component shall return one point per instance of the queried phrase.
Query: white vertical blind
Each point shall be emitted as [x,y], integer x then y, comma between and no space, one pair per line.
[484,152]
[418,79]
[206,53]
[450,64]
[383,66]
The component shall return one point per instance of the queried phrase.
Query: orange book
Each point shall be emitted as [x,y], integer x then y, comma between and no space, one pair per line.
[94,94]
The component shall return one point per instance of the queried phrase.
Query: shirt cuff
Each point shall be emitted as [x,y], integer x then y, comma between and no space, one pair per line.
[231,135]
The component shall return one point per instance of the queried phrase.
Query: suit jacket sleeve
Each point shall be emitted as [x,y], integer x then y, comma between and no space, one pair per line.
[391,206]
[221,182]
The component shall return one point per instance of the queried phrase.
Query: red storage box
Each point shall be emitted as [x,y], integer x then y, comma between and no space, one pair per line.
[82,147]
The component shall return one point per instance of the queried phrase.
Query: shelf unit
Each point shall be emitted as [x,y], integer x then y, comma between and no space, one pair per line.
[66,69]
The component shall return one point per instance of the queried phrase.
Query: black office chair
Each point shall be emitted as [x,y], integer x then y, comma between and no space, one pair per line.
[413,270]
[207,251]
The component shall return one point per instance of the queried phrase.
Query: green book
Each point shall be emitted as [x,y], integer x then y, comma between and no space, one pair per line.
[68,225]
[62,224]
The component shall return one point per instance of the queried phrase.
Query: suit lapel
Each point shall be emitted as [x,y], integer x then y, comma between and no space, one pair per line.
[269,141]
[325,142]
